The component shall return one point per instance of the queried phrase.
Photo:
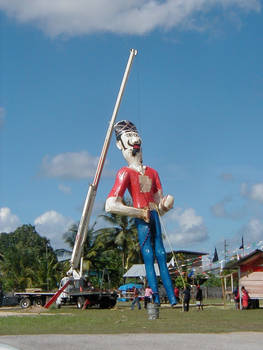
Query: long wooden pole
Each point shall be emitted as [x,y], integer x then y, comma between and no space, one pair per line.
[85,218]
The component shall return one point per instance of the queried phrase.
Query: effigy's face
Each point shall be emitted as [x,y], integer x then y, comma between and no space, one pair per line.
[130,145]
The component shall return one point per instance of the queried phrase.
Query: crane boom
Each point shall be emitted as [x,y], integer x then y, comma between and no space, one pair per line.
[90,198]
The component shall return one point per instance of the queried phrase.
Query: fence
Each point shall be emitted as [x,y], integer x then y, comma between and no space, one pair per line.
[212,292]
[208,292]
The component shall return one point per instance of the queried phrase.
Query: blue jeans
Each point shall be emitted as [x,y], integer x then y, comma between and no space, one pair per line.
[136,300]
[151,243]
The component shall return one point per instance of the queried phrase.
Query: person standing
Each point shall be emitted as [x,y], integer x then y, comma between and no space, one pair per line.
[236,298]
[245,298]
[186,298]
[136,299]
[162,294]
[177,293]
[199,298]
[147,296]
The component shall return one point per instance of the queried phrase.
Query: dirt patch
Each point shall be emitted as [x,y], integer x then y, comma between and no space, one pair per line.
[31,311]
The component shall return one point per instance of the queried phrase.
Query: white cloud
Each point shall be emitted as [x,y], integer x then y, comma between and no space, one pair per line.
[254,230]
[65,189]
[244,189]
[219,209]
[50,224]
[190,228]
[254,192]
[257,192]
[229,207]
[78,17]
[53,225]
[8,221]
[71,165]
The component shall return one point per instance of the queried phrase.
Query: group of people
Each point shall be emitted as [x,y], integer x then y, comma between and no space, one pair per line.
[148,295]
[186,296]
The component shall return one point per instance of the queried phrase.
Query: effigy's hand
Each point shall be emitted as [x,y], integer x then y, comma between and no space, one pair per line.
[146,214]
[166,203]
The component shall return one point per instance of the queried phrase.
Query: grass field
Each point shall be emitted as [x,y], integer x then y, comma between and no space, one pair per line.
[214,319]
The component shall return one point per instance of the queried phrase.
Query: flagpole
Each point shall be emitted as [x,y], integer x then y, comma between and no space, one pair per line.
[242,246]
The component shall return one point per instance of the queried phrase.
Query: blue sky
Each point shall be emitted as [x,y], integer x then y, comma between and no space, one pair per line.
[195,93]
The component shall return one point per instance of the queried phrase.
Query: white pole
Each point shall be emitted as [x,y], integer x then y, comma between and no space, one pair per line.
[239,288]
[133,53]
[84,222]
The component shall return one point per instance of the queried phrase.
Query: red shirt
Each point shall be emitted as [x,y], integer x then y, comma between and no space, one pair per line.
[176,292]
[141,187]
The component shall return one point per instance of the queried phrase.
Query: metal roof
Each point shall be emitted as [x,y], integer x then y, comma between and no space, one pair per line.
[138,270]
[246,259]
[188,252]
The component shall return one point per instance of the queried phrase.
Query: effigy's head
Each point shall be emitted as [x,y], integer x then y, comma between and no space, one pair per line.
[128,140]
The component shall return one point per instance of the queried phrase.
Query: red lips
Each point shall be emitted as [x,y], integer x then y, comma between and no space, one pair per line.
[136,146]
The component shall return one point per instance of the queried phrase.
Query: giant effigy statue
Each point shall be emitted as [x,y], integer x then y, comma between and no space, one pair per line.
[145,188]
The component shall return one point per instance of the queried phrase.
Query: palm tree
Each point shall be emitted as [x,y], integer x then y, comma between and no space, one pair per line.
[120,235]
[70,236]
[89,253]
[114,248]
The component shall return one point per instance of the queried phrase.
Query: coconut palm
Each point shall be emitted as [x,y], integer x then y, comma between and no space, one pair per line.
[90,253]
[120,235]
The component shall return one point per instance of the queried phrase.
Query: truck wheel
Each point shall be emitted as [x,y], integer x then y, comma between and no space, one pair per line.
[25,303]
[38,302]
[80,302]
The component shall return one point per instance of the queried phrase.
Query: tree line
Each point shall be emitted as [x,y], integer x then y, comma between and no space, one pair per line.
[27,260]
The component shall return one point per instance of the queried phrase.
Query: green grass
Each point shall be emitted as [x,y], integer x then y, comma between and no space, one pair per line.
[67,320]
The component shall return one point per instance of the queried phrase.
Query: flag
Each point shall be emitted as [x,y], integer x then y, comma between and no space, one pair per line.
[215,258]
[242,244]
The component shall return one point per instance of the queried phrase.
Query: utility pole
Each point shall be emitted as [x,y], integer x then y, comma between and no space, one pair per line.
[225,250]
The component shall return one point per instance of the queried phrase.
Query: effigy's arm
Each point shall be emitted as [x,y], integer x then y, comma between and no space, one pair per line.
[165,203]
[115,205]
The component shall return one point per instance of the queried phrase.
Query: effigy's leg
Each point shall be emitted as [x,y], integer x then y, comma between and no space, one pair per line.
[144,236]
[161,258]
